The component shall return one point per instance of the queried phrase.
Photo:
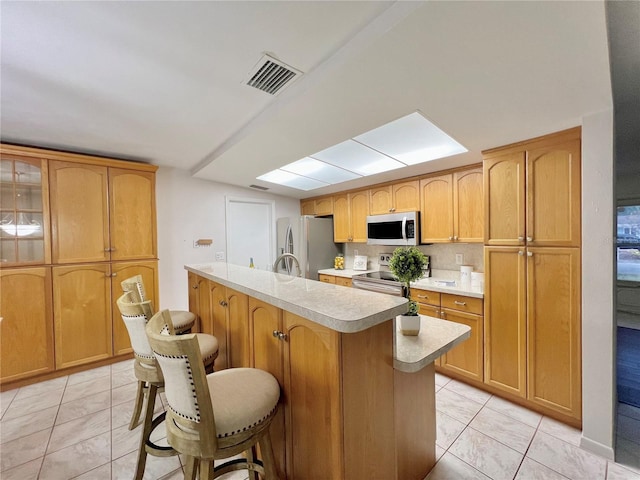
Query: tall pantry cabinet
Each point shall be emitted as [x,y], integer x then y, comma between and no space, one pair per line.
[532,270]
[98,227]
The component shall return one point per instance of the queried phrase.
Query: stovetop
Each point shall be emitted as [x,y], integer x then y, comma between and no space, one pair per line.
[381,275]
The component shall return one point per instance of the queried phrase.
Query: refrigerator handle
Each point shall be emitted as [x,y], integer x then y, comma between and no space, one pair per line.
[289,249]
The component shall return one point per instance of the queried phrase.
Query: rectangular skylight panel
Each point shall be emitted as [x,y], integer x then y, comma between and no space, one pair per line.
[411,139]
[357,158]
[324,172]
[292,180]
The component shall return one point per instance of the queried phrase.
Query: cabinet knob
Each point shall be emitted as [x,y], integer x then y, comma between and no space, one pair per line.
[107,249]
[455,237]
[275,333]
[520,252]
[282,336]
[223,303]
[529,254]
[450,238]
[521,239]
[195,287]
[114,274]
[443,314]
[462,304]
[423,296]
[529,239]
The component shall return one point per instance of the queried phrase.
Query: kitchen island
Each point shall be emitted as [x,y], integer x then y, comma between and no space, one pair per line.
[358,398]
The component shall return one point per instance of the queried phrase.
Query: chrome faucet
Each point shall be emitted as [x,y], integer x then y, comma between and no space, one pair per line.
[292,257]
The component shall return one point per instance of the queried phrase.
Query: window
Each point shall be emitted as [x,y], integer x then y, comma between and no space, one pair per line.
[628,243]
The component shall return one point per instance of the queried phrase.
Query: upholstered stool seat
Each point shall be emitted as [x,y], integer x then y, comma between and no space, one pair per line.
[183,321]
[214,416]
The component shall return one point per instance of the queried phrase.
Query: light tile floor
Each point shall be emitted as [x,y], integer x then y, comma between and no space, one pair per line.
[76,427]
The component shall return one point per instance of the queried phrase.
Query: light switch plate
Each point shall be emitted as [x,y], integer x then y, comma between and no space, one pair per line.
[459,259]
[219,256]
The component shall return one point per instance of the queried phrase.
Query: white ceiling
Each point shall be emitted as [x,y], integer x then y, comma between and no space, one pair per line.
[161,82]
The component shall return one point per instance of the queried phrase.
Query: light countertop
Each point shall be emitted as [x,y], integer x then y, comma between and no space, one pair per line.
[340,308]
[436,337]
[435,284]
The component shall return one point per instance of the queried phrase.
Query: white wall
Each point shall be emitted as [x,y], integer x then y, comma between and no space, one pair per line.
[188,209]
[598,282]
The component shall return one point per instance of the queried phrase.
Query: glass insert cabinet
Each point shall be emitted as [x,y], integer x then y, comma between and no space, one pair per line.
[24,212]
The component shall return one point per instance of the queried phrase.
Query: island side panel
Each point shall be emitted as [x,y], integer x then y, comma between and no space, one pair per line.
[368,403]
[415,421]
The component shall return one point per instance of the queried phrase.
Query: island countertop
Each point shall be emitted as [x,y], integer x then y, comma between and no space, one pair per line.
[340,308]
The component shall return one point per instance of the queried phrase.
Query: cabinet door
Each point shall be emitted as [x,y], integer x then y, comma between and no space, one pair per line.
[553,195]
[82,314]
[324,206]
[238,329]
[406,196]
[436,217]
[358,210]
[468,206]
[79,213]
[505,319]
[205,311]
[307,207]
[504,199]
[467,358]
[192,281]
[380,200]
[218,321]
[553,329]
[24,212]
[341,226]
[266,354]
[312,388]
[133,214]
[26,330]
[149,272]
[345,282]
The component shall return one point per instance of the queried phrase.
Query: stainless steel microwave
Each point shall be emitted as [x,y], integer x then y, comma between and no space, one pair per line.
[394,229]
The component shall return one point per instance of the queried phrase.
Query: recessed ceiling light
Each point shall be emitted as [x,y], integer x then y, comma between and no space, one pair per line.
[412,139]
[407,141]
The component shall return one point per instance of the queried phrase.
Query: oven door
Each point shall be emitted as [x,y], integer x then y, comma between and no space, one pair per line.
[397,290]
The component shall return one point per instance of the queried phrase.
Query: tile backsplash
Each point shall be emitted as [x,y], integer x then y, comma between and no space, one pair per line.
[442,256]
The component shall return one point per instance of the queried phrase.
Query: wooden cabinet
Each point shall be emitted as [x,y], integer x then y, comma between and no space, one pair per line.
[24,211]
[82,313]
[322,277]
[319,206]
[350,217]
[120,271]
[397,197]
[451,207]
[533,327]
[26,330]
[312,383]
[533,192]
[467,358]
[101,214]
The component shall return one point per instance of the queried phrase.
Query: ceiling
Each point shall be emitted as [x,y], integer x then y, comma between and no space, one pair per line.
[163,82]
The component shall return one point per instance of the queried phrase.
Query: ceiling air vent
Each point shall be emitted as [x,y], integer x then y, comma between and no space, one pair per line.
[271,75]
[258,187]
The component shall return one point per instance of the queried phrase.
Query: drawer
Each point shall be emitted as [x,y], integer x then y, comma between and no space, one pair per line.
[326,278]
[462,303]
[344,281]
[425,296]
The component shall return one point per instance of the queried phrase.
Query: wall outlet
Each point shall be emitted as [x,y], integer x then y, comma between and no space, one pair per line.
[383,259]
[219,256]
[459,258]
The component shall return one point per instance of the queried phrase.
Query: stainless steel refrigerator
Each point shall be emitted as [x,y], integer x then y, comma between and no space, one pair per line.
[310,239]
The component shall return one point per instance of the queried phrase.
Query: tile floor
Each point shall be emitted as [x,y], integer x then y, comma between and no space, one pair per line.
[76,427]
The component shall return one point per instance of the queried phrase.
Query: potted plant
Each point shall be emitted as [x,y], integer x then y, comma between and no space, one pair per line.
[407,264]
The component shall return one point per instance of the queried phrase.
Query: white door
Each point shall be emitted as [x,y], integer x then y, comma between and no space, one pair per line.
[250,232]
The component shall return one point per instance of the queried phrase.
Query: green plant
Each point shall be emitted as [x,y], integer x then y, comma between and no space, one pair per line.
[407,264]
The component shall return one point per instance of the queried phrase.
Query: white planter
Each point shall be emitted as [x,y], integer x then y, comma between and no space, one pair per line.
[409,324]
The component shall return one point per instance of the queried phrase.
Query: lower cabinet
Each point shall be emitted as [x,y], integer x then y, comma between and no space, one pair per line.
[26,329]
[344,281]
[467,358]
[87,324]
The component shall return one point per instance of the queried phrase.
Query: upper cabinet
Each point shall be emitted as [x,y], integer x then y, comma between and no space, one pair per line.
[101,213]
[350,217]
[533,192]
[451,207]
[24,211]
[398,197]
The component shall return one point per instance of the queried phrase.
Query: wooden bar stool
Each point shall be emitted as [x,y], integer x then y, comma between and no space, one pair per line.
[183,321]
[149,375]
[215,416]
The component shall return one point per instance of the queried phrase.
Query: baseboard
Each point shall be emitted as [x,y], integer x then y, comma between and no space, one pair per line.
[597,448]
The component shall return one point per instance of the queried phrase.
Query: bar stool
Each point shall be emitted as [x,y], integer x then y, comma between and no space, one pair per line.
[215,416]
[149,375]
[183,321]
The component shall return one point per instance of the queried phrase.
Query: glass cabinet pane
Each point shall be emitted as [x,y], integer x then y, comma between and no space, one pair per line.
[7,197]
[28,197]
[7,251]
[27,173]
[6,171]
[30,250]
